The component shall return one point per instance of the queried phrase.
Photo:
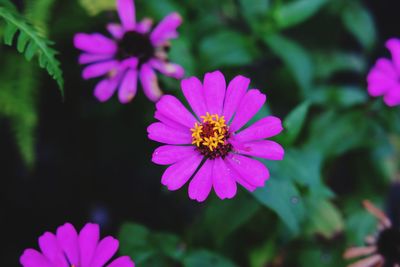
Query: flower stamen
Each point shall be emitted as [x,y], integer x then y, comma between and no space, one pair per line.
[210,136]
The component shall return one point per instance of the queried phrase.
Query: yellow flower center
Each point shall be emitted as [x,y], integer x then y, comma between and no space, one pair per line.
[210,136]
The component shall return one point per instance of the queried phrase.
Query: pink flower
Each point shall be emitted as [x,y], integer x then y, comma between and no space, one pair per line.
[384,77]
[134,51]
[67,248]
[213,137]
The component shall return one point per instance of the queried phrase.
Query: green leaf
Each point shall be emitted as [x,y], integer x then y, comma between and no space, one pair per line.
[320,256]
[227,48]
[160,9]
[235,212]
[294,122]
[328,63]
[255,10]
[359,22]
[28,35]
[302,166]
[281,195]
[296,12]
[94,7]
[323,218]
[203,258]
[180,53]
[263,255]
[339,96]
[359,224]
[143,246]
[332,134]
[296,58]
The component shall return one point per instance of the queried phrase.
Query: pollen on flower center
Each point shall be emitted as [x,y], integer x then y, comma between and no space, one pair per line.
[210,137]
[137,45]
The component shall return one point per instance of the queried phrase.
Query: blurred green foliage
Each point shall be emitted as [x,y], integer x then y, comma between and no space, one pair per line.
[338,142]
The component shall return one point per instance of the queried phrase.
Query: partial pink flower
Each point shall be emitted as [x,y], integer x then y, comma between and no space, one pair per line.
[134,51]
[208,143]
[384,77]
[382,248]
[67,248]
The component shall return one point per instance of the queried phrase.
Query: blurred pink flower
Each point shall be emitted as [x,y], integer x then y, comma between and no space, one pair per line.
[134,51]
[213,136]
[381,249]
[67,248]
[384,77]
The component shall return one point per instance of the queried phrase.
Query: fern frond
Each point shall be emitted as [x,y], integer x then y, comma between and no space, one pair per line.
[38,12]
[30,43]
[18,91]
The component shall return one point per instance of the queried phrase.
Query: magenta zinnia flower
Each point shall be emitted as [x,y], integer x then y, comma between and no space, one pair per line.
[384,77]
[134,51]
[209,144]
[67,248]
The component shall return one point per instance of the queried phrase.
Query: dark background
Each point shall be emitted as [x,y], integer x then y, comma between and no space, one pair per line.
[94,165]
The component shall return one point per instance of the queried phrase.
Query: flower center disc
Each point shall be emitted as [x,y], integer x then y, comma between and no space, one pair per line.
[137,45]
[210,136]
[389,245]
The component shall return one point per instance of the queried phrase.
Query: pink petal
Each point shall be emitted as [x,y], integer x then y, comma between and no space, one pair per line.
[95,43]
[67,238]
[116,30]
[32,258]
[126,12]
[244,183]
[214,91]
[164,134]
[176,175]
[130,62]
[51,250]
[167,68]
[166,29]
[368,262]
[99,69]
[149,83]
[174,110]
[262,149]
[193,91]
[223,181]
[106,88]
[394,46]
[144,26]
[379,88]
[166,155]
[123,261]
[169,122]
[91,58]
[252,171]
[128,88]
[236,90]
[392,98]
[88,239]
[201,184]
[248,107]
[261,129]
[386,67]
[379,83]
[104,251]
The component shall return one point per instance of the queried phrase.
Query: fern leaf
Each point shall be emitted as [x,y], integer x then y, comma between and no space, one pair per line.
[30,42]
[18,103]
